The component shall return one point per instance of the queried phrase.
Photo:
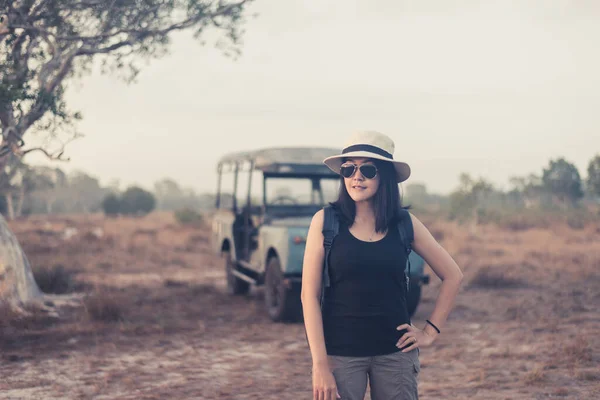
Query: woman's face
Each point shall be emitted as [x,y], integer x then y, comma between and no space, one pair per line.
[359,187]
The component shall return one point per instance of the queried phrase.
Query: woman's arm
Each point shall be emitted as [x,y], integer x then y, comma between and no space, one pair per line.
[324,386]
[444,267]
[312,270]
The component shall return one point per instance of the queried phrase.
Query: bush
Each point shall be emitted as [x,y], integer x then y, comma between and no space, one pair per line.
[577,219]
[188,216]
[111,205]
[54,280]
[526,219]
[495,278]
[136,200]
[105,306]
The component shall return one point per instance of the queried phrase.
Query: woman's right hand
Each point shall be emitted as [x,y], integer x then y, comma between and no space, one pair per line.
[324,387]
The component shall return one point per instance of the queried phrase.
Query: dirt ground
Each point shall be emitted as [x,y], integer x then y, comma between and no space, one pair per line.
[525,326]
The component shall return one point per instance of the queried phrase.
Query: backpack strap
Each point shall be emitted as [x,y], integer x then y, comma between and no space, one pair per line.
[407,236]
[331,227]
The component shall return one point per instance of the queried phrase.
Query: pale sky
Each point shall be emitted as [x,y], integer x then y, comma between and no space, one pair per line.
[494,88]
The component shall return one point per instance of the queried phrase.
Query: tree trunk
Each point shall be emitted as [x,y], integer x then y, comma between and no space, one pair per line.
[474,220]
[20,201]
[49,203]
[9,206]
[17,285]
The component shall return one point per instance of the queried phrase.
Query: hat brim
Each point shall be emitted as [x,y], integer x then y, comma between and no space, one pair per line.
[335,162]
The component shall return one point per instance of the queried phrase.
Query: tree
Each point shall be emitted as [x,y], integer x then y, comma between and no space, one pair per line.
[49,188]
[45,43]
[83,193]
[169,194]
[136,200]
[562,180]
[111,205]
[11,177]
[527,191]
[593,180]
[417,192]
[468,201]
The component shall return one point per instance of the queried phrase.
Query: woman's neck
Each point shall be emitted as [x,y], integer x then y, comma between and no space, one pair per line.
[364,211]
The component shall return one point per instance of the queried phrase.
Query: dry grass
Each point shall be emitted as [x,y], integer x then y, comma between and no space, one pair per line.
[536,376]
[31,317]
[577,351]
[495,278]
[561,392]
[588,375]
[523,222]
[524,327]
[106,306]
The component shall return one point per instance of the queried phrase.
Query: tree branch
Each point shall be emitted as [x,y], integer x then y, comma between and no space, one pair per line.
[103,50]
[56,156]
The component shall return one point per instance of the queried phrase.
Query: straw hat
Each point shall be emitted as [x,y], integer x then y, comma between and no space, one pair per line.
[369,144]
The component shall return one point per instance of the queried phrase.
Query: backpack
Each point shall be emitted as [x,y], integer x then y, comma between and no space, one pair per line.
[331,227]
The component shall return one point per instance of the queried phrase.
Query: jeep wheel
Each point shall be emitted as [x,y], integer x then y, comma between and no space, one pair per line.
[235,285]
[413,297]
[282,304]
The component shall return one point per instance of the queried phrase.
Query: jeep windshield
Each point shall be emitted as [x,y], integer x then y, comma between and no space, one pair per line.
[300,192]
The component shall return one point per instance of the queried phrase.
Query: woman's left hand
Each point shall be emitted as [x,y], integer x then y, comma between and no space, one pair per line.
[415,337]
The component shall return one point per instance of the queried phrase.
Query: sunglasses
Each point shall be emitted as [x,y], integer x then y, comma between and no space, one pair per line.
[369,171]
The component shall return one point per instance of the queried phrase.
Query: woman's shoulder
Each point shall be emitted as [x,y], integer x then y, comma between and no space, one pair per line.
[317,220]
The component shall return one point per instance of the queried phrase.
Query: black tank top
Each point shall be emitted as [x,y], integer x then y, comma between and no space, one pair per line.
[367,297]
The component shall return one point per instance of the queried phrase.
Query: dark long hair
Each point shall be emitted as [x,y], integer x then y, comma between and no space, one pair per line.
[387,201]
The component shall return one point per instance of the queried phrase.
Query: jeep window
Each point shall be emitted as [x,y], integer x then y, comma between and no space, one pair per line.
[300,191]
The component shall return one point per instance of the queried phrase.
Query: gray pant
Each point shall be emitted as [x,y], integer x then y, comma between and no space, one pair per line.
[391,376]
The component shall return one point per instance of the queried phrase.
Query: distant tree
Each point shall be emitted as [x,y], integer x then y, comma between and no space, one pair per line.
[17,183]
[30,181]
[562,180]
[166,187]
[593,180]
[416,191]
[527,191]
[171,196]
[111,205]
[468,200]
[49,189]
[416,195]
[136,200]
[82,194]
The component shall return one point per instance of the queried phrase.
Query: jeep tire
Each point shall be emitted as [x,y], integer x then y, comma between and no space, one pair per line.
[282,304]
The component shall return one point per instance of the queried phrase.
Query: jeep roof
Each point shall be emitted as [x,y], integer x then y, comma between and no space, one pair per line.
[284,160]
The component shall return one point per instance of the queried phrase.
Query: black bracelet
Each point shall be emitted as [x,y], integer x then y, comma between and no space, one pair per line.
[434,327]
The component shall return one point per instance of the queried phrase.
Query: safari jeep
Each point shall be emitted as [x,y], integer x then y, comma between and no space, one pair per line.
[261,236]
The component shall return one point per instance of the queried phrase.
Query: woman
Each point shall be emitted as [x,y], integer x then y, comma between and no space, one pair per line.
[362,333]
